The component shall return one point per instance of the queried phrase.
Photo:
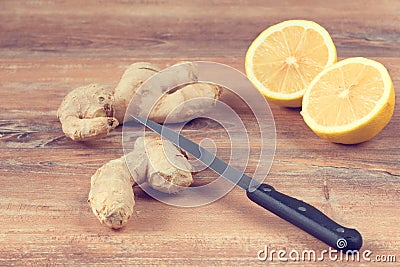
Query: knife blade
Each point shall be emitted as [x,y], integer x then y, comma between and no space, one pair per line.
[295,211]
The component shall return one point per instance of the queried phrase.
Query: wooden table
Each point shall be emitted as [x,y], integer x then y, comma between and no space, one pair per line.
[48,48]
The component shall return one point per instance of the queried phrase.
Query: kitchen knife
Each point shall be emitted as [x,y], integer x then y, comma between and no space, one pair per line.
[293,210]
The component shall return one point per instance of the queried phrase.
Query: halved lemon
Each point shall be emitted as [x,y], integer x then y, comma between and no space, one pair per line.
[349,102]
[283,60]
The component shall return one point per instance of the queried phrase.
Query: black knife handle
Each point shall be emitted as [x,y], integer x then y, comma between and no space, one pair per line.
[307,218]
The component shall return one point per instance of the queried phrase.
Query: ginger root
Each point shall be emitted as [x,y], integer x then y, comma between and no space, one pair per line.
[198,99]
[111,195]
[134,76]
[92,111]
[87,113]
[168,169]
[155,161]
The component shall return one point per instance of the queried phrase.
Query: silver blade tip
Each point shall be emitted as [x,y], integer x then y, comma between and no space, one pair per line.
[138,118]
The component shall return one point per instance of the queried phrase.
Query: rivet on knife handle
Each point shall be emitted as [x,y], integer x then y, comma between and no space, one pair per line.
[307,218]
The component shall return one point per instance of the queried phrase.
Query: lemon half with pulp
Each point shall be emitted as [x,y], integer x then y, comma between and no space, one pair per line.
[283,60]
[349,102]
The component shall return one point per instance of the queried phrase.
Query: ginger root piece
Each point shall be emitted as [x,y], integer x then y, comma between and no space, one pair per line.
[168,171]
[155,89]
[111,196]
[186,102]
[87,113]
[189,100]
[134,76]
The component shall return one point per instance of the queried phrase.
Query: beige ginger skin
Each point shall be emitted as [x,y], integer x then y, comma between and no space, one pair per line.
[87,113]
[134,76]
[155,161]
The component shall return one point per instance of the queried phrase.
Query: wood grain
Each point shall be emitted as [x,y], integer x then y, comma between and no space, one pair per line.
[50,47]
